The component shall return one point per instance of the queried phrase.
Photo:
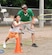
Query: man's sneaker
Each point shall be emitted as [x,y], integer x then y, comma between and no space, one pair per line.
[4,45]
[21,44]
[34,45]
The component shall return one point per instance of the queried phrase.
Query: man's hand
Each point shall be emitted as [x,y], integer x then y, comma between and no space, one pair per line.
[34,20]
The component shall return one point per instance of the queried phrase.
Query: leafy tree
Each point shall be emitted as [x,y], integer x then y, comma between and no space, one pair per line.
[15,3]
[18,2]
[48,4]
[33,3]
[30,3]
[3,2]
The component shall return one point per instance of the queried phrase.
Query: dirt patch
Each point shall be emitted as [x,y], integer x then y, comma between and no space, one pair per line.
[43,38]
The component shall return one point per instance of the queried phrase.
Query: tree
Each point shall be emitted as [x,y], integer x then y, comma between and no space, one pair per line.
[33,3]
[30,3]
[18,2]
[15,3]
[3,2]
[48,4]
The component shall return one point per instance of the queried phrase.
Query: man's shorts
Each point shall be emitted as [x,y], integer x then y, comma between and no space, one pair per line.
[29,28]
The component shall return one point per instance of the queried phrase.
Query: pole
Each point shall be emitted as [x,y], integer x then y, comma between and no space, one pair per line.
[41,12]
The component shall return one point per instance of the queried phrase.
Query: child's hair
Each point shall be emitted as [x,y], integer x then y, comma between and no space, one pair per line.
[14,20]
[15,16]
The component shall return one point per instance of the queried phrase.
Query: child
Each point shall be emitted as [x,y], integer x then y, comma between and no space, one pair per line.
[15,29]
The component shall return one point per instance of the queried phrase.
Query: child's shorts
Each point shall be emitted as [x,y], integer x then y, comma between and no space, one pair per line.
[13,35]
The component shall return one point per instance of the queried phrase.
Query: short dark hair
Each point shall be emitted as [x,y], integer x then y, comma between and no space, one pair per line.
[15,16]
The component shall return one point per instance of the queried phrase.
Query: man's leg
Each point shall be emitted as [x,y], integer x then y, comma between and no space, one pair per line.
[31,30]
[32,37]
[33,40]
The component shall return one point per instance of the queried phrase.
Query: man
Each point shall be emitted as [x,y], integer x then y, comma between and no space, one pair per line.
[26,15]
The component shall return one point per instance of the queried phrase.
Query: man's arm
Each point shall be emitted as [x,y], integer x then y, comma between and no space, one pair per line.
[33,19]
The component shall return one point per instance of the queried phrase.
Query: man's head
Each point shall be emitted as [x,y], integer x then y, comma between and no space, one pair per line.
[24,8]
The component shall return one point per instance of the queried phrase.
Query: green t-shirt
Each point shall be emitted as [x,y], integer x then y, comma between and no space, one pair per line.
[26,17]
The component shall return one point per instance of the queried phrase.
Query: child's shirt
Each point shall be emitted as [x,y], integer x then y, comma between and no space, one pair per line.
[15,29]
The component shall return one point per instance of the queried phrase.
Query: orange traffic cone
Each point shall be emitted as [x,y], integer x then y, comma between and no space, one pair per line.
[18,46]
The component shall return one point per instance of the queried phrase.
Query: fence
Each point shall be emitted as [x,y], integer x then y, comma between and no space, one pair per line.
[13,10]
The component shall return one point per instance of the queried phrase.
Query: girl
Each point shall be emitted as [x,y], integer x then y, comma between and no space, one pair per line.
[15,29]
